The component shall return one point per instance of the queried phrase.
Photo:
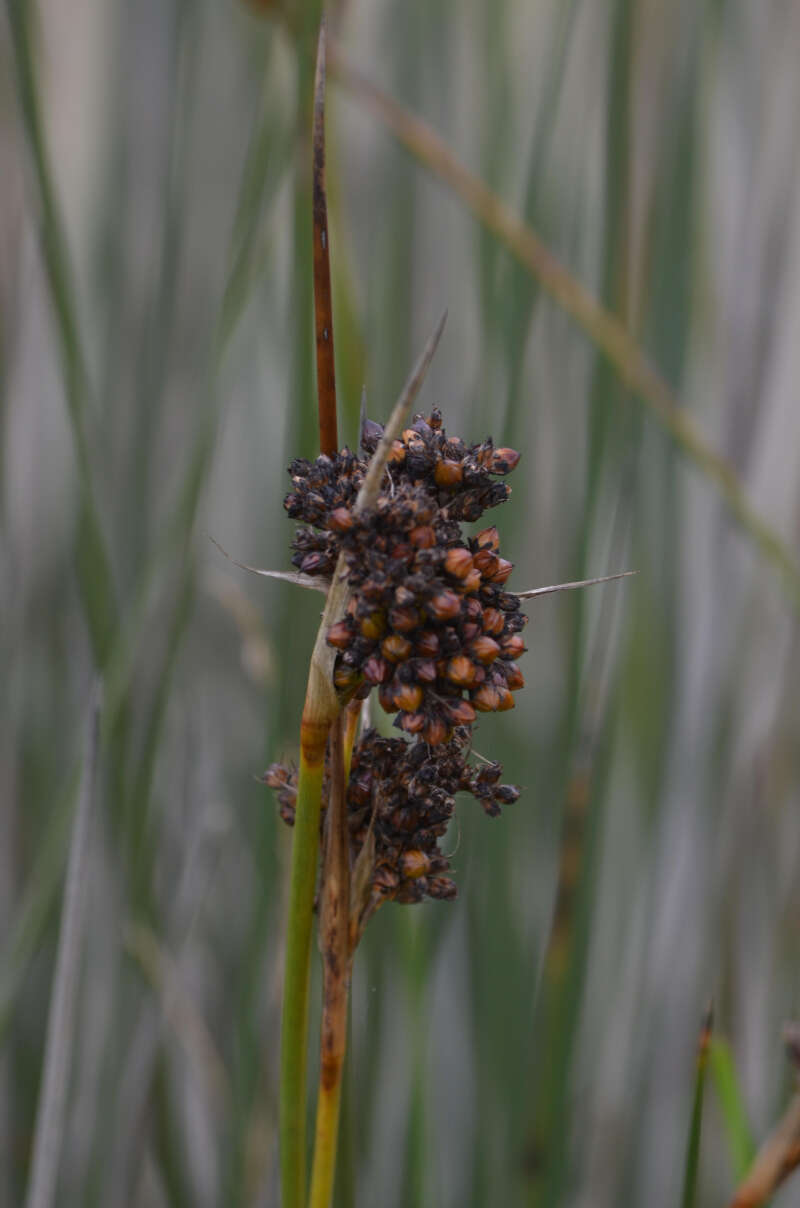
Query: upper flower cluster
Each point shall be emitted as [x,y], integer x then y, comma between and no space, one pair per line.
[429,622]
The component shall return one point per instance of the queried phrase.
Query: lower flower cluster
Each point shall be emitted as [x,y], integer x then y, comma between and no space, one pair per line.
[402,796]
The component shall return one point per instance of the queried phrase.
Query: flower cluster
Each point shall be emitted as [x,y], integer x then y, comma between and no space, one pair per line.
[429,624]
[403,795]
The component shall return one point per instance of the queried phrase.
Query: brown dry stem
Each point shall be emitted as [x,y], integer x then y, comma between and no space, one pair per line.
[774,1162]
[323,306]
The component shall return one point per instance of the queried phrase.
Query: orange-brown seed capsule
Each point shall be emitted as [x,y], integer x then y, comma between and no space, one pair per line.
[412,723]
[502,571]
[444,606]
[486,699]
[448,473]
[488,538]
[514,677]
[458,562]
[423,536]
[395,648]
[486,561]
[414,863]
[506,700]
[472,581]
[461,671]
[340,635]
[340,520]
[435,732]
[461,712]
[513,645]
[503,461]
[408,697]
[493,621]
[373,625]
[397,453]
[345,677]
[485,649]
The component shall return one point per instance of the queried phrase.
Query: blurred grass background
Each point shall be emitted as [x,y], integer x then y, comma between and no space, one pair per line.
[533,1043]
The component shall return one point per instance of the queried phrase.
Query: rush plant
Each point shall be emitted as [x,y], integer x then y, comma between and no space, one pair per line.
[420,613]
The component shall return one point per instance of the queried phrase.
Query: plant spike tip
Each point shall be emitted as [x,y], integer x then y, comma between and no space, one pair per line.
[323,306]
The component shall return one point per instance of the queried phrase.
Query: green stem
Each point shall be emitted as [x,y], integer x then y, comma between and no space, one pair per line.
[294,1025]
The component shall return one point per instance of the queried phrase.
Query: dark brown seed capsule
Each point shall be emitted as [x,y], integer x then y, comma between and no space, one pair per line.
[385,878]
[458,562]
[470,630]
[442,888]
[484,649]
[436,732]
[487,562]
[408,697]
[425,671]
[422,537]
[428,643]
[386,697]
[461,671]
[486,698]
[377,670]
[514,677]
[341,520]
[313,564]
[403,620]
[507,794]
[403,596]
[395,648]
[444,606]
